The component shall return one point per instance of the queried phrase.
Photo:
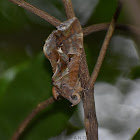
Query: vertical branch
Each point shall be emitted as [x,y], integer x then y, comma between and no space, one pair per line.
[90,120]
[104,46]
[68,8]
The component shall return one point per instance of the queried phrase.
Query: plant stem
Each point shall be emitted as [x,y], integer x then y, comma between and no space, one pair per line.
[52,20]
[90,120]
[68,8]
[104,47]
[104,26]
[28,119]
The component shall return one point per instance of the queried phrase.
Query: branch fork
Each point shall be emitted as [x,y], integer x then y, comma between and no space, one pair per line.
[91,124]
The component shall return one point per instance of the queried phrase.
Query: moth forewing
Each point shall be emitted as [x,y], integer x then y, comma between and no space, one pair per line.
[63,48]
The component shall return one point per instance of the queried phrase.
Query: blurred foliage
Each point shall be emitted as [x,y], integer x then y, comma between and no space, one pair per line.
[25,93]
[25,74]
[12,17]
[135,73]
[137,135]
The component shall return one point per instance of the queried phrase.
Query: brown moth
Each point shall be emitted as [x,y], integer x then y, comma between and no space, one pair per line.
[63,49]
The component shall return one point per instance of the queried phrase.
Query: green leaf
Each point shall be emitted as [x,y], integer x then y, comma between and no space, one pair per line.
[30,86]
[11,15]
[135,73]
[8,76]
[11,56]
[103,11]
[137,135]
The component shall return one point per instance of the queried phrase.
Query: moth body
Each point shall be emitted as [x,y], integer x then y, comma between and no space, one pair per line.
[63,49]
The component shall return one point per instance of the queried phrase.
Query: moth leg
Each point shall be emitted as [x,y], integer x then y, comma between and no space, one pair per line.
[55,92]
[78,87]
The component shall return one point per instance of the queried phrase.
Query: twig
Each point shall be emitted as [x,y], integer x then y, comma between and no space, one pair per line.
[90,120]
[52,20]
[104,26]
[104,47]
[68,8]
[95,28]
[28,119]
[135,31]
[91,124]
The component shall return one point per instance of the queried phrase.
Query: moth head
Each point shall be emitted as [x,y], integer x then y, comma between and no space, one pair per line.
[75,98]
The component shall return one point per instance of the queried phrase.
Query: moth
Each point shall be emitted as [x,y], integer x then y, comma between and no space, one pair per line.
[63,48]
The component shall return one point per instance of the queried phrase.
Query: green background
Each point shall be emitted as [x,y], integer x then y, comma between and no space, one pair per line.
[25,73]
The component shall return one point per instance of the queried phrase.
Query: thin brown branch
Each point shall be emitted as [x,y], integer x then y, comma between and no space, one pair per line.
[52,20]
[68,8]
[90,120]
[104,26]
[28,119]
[133,30]
[104,47]
[95,28]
